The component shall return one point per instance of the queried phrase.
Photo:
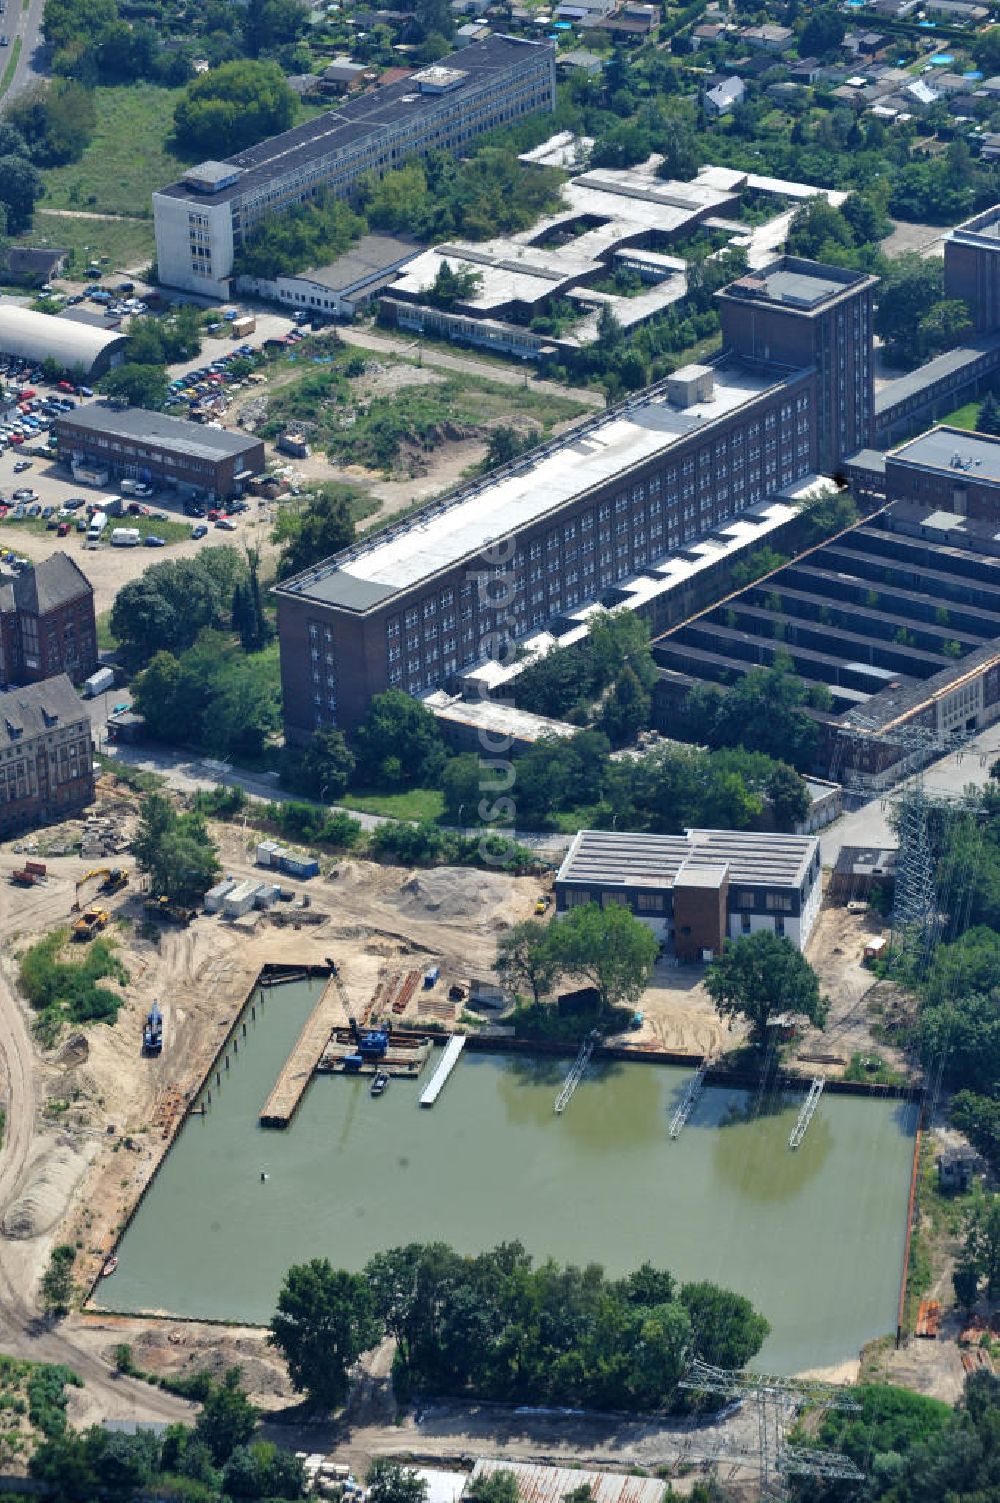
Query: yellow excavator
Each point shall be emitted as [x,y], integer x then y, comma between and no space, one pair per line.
[114,879]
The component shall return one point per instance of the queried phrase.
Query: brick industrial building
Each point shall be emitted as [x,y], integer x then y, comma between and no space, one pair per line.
[791,394]
[151,446]
[202,221]
[46,755]
[47,623]
[699,889]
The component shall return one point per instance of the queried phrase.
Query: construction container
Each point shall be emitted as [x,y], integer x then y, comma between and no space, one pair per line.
[98,682]
[302,867]
[239,328]
[215,895]
[266,851]
[267,895]
[241,899]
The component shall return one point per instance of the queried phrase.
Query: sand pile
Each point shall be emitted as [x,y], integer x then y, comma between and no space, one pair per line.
[449,892]
[45,1191]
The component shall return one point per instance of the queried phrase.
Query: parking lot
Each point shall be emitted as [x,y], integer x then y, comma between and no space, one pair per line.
[44,509]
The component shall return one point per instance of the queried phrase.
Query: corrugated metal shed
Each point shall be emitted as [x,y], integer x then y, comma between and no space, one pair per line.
[550,1484]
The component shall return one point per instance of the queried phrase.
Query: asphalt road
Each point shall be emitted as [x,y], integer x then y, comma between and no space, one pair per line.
[26,24]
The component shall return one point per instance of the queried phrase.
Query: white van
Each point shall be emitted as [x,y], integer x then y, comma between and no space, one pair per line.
[125,537]
[95,531]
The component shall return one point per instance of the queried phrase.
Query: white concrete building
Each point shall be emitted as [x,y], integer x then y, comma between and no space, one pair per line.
[202,220]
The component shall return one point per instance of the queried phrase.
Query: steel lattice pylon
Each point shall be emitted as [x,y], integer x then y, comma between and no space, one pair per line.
[914,910]
[773,1396]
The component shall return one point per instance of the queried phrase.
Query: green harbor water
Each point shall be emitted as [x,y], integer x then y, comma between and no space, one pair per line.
[814,1237]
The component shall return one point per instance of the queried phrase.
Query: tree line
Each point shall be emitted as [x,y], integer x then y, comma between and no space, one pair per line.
[497,1326]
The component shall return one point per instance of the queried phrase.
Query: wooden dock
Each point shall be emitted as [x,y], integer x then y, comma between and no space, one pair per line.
[300,1066]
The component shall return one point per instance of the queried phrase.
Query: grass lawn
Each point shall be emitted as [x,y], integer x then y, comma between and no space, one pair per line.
[414,803]
[126,158]
[963,417]
[118,243]
[106,639]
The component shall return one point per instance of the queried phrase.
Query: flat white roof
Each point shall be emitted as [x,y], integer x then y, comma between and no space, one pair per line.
[724,541]
[589,457]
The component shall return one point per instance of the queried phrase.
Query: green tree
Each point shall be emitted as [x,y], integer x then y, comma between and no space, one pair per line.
[910,286]
[464,781]
[399,742]
[727,1329]
[495,1487]
[433,17]
[323,527]
[389,1482]
[943,325]
[822,33]
[325,1319]
[175,851]
[65,20]
[270,23]
[526,958]
[263,1470]
[989,417]
[232,107]
[20,186]
[144,386]
[453,284]
[227,1418]
[57,1287]
[627,709]
[760,974]
[326,766]
[981,1246]
[611,948]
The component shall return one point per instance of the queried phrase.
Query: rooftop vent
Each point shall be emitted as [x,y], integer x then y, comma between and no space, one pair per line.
[690,384]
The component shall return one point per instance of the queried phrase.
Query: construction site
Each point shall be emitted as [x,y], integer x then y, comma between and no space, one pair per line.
[334,1071]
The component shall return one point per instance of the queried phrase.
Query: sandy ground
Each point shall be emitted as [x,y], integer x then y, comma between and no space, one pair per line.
[835,950]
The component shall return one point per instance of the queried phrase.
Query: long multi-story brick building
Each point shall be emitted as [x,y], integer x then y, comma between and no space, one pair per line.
[47,623]
[421,604]
[202,221]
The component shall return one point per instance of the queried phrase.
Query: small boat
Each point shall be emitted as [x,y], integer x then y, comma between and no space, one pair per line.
[379,1083]
[110,1266]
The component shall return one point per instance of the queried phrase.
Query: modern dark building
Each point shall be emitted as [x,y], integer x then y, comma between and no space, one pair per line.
[796,313]
[582,514]
[46,755]
[948,470]
[47,623]
[150,446]
[972,268]
[202,221]
[699,889]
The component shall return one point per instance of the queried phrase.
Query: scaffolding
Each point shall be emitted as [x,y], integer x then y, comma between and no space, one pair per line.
[576,1074]
[808,1111]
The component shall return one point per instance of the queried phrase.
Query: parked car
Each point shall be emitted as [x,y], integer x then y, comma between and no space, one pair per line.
[200,531]
[21,466]
[62,530]
[152,541]
[225,524]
